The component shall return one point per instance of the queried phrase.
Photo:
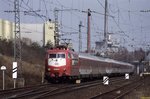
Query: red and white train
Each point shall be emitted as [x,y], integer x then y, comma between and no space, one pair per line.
[61,63]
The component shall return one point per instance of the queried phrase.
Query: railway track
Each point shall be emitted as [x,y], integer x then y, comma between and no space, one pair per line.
[121,91]
[68,90]
[5,94]
[48,90]
[52,90]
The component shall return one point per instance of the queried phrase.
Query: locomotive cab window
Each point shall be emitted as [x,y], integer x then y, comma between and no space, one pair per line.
[52,55]
[60,55]
[56,55]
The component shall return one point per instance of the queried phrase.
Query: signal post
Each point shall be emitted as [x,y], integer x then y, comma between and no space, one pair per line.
[3,68]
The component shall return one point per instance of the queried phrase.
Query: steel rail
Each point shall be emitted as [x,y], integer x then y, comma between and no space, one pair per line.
[119,92]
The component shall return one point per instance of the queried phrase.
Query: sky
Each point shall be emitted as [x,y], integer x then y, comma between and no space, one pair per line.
[129,25]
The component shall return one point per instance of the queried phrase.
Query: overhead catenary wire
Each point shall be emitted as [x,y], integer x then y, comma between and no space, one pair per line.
[116,22]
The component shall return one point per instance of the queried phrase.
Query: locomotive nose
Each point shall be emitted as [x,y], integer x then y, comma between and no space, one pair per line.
[57,71]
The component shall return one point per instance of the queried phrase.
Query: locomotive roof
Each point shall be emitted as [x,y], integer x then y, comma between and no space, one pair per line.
[92,57]
[60,50]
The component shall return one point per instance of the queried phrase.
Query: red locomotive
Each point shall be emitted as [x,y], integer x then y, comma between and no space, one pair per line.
[62,63]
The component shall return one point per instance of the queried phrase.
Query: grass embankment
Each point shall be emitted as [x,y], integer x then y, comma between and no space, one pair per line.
[32,63]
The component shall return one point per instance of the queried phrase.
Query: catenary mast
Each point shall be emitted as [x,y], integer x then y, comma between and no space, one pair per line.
[17,37]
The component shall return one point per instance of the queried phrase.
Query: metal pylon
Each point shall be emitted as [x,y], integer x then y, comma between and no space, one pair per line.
[56,35]
[17,38]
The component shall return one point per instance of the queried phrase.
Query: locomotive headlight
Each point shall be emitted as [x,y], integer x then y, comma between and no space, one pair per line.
[49,69]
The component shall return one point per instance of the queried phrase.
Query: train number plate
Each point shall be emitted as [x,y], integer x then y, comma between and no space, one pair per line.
[56,64]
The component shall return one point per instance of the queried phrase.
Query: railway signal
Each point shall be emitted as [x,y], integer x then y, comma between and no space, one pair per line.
[3,68]
[14,75]
[105,80]
[126,76]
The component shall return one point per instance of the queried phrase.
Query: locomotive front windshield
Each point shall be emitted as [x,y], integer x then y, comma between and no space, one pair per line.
[56,55]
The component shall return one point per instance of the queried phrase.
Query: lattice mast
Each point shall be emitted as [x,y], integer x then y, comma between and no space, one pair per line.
[17,37]
[80,37]
[56,33]
[88,31]
[105,21]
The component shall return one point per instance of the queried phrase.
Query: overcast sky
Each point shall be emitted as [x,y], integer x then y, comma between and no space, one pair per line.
[130,24]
